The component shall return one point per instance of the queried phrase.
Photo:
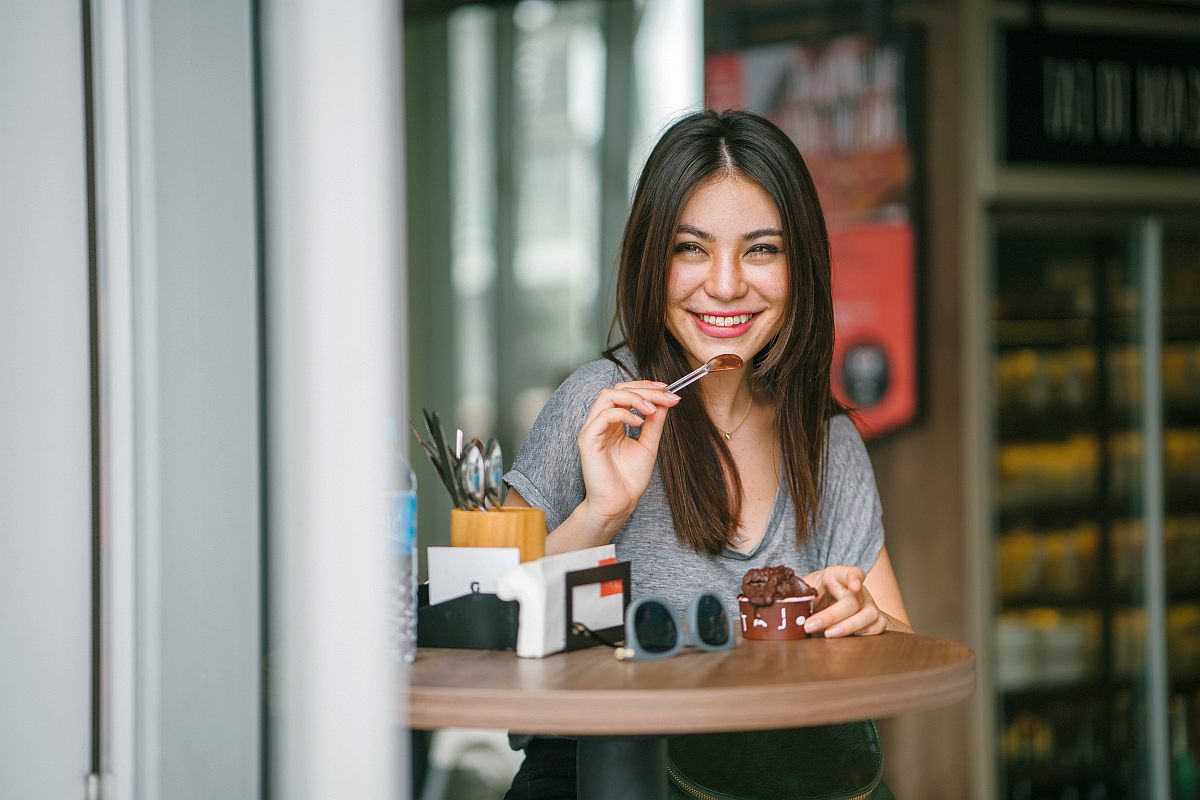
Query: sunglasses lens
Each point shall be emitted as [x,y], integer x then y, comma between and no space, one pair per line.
[712,625]
[655,628]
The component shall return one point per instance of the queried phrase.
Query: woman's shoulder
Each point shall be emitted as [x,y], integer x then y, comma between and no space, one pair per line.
[597,374]
[846,449]
[575,395]
[842,431]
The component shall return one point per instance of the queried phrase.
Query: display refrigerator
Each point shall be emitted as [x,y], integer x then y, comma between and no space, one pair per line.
[1094,341]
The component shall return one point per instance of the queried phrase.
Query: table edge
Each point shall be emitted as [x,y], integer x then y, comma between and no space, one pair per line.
[665,712]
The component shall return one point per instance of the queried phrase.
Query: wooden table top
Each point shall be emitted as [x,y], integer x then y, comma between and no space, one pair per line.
[756,686]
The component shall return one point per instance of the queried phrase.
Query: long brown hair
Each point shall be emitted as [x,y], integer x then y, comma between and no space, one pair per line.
[699,476]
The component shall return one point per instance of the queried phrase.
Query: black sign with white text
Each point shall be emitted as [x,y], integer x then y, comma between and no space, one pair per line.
[1078,99]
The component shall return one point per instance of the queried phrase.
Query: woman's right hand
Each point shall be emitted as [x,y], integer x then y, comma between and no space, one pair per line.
[617,468]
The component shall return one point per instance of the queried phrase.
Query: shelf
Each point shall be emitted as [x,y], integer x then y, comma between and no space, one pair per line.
[1057,604]
[1180,503]
[1044,332]
[1088,689]
[1122,598]
[1184,685]
[1066,515]
[1182,417]
[1126,329]
[1068,331]
[1014,427]
[1188,509]
[1019,426]
[1049,778]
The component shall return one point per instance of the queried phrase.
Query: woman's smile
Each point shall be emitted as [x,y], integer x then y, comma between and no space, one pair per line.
[724,325]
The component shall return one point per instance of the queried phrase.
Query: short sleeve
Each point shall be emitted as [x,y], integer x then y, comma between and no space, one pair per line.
[852,515]
[546,471]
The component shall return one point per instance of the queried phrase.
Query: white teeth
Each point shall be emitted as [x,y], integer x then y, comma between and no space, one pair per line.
[725,322]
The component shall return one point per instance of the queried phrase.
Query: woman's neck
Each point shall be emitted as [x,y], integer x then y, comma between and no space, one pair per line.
[725,395]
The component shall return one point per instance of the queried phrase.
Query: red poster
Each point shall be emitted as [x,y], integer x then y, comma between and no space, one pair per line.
[873,365]
[843,102]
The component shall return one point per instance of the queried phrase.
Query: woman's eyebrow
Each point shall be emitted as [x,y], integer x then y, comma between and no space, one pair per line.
[694,231]
[759,233]
[762,233]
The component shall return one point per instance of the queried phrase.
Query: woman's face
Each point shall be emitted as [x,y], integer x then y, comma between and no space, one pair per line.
[727,283]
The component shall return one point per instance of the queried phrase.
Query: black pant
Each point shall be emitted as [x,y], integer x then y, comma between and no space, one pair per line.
[548,772]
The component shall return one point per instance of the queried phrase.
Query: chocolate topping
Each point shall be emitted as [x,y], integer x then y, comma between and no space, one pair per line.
[767,585]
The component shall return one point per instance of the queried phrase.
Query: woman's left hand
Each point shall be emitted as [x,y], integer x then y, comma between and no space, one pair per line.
[844,606]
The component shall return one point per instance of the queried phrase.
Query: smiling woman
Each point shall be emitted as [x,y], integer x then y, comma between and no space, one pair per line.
[725,223]
[725,252]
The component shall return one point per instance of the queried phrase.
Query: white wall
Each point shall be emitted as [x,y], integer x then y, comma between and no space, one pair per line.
[335,272]
[179,342]
[199,391]
[187,715]
[45,473]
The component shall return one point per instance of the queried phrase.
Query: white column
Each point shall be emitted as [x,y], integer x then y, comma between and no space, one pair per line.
[1149,244]
[45,466]
[333,217]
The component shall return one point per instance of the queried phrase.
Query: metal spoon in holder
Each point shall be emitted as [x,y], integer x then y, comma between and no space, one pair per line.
[471,478]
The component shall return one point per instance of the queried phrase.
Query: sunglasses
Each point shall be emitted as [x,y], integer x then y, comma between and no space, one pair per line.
[653,631]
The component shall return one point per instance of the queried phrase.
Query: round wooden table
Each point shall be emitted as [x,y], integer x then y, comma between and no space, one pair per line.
[623,709]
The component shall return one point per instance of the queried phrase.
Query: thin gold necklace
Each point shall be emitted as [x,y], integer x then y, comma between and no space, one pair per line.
[729,433]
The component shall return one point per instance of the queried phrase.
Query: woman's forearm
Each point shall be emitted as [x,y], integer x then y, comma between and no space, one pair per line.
[580,531]
[891,623]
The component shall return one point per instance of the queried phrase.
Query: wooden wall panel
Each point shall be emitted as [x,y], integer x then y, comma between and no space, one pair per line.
[920,470]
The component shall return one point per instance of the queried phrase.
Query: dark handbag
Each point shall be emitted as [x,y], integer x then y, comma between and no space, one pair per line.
[828,762]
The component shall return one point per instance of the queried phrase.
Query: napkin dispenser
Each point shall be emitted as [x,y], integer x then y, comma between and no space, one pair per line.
[550,603]
[483,621]
[478,621]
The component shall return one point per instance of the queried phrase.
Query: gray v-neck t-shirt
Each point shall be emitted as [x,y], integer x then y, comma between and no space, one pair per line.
[548,475]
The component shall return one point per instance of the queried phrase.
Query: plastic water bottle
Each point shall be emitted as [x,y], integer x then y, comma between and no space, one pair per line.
[402,524]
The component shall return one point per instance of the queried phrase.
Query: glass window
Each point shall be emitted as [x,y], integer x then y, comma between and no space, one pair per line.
[518,190]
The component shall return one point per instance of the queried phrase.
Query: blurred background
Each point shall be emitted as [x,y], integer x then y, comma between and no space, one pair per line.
[1013,196]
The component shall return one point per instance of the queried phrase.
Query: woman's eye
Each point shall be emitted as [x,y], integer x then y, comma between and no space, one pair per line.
[688,248]
[764,249]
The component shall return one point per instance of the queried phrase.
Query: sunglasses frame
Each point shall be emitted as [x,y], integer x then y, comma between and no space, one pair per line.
[688,637]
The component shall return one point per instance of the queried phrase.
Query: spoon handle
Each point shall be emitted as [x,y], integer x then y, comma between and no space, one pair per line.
[689,379]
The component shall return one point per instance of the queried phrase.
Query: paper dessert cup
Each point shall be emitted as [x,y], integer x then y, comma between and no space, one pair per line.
[511,526]
[783,620]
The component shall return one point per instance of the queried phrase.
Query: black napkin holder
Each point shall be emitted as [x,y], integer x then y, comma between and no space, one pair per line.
[475,621]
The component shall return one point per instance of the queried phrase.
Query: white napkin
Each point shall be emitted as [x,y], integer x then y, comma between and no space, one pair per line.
[456,571]
[540,586]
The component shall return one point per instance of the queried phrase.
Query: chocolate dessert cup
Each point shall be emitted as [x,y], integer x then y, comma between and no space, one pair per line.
[774,604]
[781,620]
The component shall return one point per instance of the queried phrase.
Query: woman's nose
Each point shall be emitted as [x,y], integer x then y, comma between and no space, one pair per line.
[726,279]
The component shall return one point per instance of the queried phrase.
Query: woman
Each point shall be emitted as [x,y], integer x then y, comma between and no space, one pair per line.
[725,251]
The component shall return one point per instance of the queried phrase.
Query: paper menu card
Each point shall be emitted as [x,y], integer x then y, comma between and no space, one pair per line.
[458,571]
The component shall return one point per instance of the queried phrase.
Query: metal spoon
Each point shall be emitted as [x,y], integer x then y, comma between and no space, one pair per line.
[471,478]
[715,364]
[493,483]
